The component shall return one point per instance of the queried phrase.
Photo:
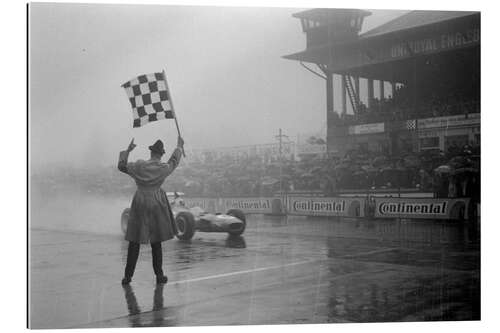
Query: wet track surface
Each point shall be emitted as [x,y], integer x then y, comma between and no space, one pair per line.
[281,271]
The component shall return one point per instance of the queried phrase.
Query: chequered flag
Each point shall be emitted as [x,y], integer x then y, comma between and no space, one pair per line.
[149,98]
[411,125]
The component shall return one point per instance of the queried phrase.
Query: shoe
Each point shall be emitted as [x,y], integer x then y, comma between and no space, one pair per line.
[126,280]
[161,279]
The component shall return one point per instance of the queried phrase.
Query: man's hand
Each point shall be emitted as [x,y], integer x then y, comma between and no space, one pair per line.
[180,142]
[131,146]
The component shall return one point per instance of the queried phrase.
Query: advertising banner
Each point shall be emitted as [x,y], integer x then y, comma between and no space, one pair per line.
[307,148]
[329,206]
[253,205]
[367,129]
[435,43]
[421,208]
[451,121]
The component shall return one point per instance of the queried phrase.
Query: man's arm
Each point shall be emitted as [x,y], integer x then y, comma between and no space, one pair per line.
[175,158]
[123,161]
[123,158]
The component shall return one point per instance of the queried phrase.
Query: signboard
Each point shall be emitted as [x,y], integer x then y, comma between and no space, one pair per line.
[451,121]
[371,49]
[421,208]
[436,43]
[330,206]
[252,205]
[366,129]
[307,148]
[385,207]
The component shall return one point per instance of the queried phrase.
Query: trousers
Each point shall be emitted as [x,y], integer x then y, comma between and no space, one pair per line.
[133,255]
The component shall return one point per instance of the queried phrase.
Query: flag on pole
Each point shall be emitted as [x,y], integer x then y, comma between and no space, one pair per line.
[411,124]
[149,97]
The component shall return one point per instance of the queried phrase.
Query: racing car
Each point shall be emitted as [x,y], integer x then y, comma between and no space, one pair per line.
[188,220]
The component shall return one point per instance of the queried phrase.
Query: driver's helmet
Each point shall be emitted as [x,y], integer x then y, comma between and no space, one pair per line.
[179,201]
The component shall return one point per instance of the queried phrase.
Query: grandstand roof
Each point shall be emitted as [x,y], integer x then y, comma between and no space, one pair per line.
[321,14]
[389,41]
[413,19]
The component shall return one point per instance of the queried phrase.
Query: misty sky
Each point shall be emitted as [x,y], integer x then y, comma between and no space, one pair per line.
[229,84]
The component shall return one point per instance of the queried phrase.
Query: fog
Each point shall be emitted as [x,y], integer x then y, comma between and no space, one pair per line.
[228,81]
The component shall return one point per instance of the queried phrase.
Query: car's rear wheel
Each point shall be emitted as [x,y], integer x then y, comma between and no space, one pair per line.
[124,220]
[241,216]
[185,225]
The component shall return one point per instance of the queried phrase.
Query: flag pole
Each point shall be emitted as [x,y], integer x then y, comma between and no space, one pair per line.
[173,109]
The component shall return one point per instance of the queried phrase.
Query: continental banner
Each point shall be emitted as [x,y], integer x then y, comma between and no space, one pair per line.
[253,205]
[329,206]
[421,208]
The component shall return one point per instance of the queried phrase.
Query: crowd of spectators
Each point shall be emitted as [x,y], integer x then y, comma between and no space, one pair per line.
[401,106]
[454,173]
[447,174]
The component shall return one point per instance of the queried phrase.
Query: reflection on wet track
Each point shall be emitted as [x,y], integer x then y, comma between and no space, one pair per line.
[281,271]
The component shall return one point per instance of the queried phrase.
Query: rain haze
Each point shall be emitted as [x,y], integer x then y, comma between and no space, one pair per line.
[229,82]
[252,227]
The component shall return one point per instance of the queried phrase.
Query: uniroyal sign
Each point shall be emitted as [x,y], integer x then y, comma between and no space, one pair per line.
[330,206]
[421,208]
[436,43]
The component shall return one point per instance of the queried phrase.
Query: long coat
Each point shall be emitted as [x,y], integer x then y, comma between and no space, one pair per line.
[151,219]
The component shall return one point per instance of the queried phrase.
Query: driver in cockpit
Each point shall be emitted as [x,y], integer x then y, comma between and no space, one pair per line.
[178,201]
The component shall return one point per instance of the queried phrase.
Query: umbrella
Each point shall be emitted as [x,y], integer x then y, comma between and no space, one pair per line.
[443,169]
[307,175]
[315,170]
[270,181]
[412,161]
[459,161]
[341,167]
[462,170]
[388,170]
[372,170]
[379,161]
[366,167]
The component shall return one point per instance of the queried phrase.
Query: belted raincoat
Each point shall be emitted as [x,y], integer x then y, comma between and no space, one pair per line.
[151,219]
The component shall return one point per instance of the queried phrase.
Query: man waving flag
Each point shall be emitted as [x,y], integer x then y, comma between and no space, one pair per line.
[149,97]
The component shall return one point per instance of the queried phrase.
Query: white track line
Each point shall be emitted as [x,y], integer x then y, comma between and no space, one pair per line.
[388,249]
[210,277]
[260,270]
[244,272]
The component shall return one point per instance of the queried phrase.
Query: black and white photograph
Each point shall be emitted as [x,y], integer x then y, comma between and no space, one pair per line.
[204,165]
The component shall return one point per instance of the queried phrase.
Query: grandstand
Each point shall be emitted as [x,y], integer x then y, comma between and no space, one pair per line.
[409,85]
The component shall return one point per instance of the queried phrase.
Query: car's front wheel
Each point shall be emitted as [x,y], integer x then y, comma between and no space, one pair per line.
[241,216]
